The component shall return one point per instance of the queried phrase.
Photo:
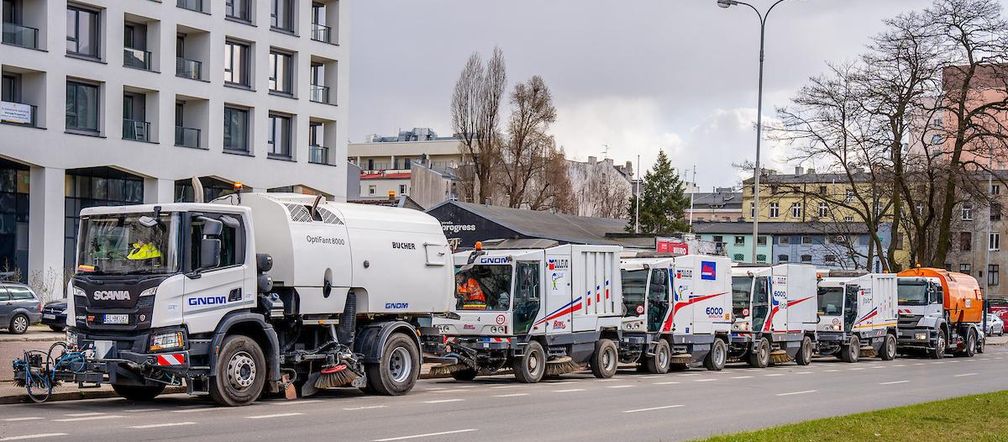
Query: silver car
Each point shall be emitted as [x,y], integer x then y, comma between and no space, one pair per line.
[20,307]
[995,326]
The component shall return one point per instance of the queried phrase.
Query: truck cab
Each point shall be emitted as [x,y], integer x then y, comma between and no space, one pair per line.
[774,311]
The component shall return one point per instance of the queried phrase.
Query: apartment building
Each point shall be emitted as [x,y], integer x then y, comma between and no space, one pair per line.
[122,102]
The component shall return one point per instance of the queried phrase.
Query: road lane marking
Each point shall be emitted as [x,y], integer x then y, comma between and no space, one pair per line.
[652,376]
[666,407]
[295,402]
[192,410]
[832,370]
[619,386]
[19,419]
[704,380]
[504,386]
[880,366]
[143,410]
[441,401]
[367,407]
[569,390]
[964,374]
[451,391]
[511,395]
[33,436]
[796,392]
[741,377]
[855,369]
[270,416]
[773,375]
[899,365]
[665,383]
[171,424]
[417,436]
[893,382]
[83,414]
[88,418]
[609,380]
[804,372]
[561,383]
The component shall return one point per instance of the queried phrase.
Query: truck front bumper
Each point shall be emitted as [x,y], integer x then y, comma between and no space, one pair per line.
[917,338]
[126,359]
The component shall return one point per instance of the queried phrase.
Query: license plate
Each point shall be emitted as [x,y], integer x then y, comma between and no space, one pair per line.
[48,316]
[120,319]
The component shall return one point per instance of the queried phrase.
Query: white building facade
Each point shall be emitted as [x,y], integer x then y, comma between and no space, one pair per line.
[110,102]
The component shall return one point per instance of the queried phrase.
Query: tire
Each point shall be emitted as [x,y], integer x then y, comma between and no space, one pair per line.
[939,351]
[759,354]
[240,373]
[971,345]
[659,363]
[605,360]
[717,356]
[852,351]
[464,375]
[530,367]
[399,368]
[888,351]
[56,328]
[139,393]
[18,324]
[804,355]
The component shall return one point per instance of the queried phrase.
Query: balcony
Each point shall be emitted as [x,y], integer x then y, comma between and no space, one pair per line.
[18,113]
[318,155]
[187,137]
[187,68]
[320,94]
[192,5]
[321,33]
[136,130]
[18,35]
[137,58]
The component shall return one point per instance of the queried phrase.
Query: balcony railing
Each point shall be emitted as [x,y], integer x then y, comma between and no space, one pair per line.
[321,33]
[187,137]
[18,35]
[187,68]
[18,113]
[320,94]
[136,130]
[318,155]
[137,58]
[192,5]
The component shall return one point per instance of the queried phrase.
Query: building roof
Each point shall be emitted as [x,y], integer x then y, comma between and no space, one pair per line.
[717,200]
[778,228]
[809,178]
[547,225]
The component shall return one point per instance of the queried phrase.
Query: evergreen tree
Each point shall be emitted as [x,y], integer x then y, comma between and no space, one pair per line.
[663,200]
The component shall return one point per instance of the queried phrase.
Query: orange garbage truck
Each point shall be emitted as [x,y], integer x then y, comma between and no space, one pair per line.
[939,312]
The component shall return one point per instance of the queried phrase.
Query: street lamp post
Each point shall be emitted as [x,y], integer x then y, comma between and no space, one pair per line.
[759,113]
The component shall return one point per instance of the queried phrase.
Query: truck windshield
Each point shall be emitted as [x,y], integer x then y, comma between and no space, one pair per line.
[128,244]
[741,286]
[913,293]
[831,301]
[634,289]
[484,287]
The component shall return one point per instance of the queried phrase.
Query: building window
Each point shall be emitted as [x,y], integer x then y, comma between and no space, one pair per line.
[236,129]
[752,210]
[993,274]
[738,257]
[761,240]
[995,212]
[279,136]
[281,73]
[371,190]
[774,210]
[782,258]
[239,9]
[761,258]
[82,107]
[936,139]
[320,32]
[282,15]
[83,32]
[718,239]
[964,268]
[783,240]
[967,212]
[848,219]
[806,258]
[850,196]
[236,63]
[995,242]
[995,189]
[965,241]
[740,240]
[135,53]
[823,210]
[829,259]
[402,189]
[135,125]
[796,210]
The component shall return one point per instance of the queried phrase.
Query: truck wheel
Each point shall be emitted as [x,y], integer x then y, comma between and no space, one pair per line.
[940,346]
[971,344]
[759,355]
[605,359]
[398,369]
[530,367]
[852,351]
[138,393]
[888,352]
[718,355]
[240,373]
[659,363]
[804,355]
[18,324]
[464,375]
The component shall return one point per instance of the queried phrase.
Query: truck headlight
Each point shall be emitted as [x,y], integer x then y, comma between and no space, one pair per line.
[77,291]
[174,340]
[149,292]
[920,336]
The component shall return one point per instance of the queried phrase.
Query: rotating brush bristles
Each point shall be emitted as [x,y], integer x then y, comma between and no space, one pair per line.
[779,357]
[447,369]
[335,376]
[561,365]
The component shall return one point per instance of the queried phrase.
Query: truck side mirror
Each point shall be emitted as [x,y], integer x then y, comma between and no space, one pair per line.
[210,253]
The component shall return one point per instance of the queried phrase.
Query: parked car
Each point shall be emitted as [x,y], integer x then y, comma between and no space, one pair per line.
[995,326]
[20,307]
[54,315]
[999,307]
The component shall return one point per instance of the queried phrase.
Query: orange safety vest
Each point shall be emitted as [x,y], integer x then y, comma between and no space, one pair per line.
[472,292]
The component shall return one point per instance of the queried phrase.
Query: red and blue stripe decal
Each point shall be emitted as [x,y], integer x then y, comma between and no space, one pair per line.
[869,315]
[679,305]
[769,320]
[572,307]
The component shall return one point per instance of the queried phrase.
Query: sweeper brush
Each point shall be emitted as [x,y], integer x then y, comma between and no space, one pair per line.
[868,352]
[561,365]
[447,369]
[334,376]
[779,357]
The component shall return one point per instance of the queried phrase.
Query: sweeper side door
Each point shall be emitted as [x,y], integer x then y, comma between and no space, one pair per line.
[557,311]
[527,295]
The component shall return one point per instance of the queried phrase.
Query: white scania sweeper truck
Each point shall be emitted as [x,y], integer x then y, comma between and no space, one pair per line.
[281,292]
[677,311]
[857,315]
[537,311]
[775,314]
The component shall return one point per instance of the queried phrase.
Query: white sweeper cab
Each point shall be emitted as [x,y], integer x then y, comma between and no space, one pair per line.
[775,314]
[278,292]
[677,311]
[537,311]
[857,315]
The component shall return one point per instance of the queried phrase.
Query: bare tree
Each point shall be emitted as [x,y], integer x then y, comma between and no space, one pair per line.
[527,147]
[475,109]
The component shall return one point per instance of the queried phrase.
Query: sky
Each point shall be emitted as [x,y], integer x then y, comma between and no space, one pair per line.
[634,75]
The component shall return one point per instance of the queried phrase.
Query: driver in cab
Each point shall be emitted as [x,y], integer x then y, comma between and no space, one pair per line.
[470,292]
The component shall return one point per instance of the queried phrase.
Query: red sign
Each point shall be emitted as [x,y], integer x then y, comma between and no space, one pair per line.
[668,245]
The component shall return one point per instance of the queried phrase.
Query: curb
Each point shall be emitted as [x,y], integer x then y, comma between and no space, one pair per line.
[75,395]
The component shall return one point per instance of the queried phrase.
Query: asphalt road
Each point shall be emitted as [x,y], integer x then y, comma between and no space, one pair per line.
[631,406]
